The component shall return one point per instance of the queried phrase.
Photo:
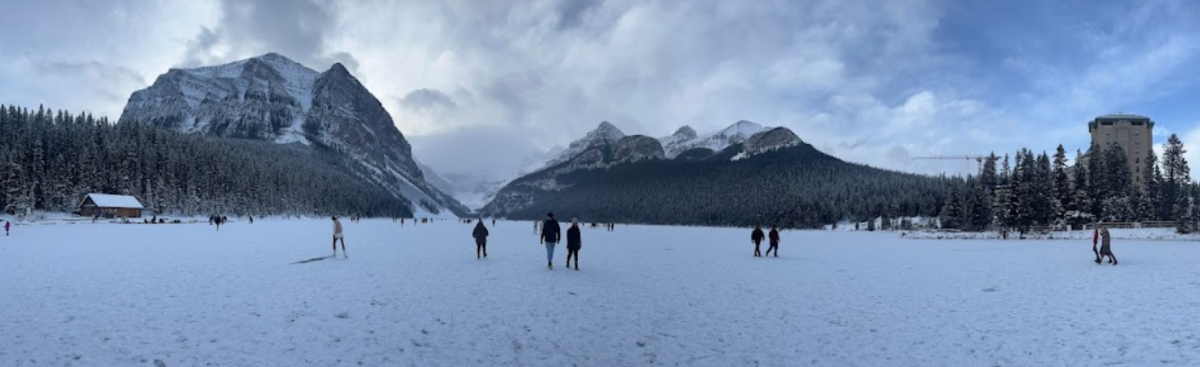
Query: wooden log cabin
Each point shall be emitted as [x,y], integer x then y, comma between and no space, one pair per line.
[110,206]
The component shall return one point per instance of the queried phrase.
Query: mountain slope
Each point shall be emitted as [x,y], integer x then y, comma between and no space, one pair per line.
[778,180]
[276,99]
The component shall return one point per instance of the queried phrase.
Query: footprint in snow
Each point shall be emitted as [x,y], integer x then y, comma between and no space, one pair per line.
[989,289]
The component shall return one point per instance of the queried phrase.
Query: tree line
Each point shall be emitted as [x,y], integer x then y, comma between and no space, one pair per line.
[1040,190]
[49,160]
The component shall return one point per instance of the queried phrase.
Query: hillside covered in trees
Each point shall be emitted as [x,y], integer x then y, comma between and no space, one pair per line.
[794,187]
[50,160]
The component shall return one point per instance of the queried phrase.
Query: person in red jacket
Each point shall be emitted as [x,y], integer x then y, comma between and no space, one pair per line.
[774,238]
[1095,239]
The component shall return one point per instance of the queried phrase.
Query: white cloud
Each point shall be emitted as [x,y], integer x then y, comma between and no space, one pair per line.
[873,82]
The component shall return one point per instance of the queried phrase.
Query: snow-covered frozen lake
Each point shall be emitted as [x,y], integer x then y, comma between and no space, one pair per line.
[188,295]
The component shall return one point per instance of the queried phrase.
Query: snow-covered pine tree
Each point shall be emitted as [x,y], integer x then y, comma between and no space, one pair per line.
[1024,187]
[1150,183]
[1003,197]
[1118,185]
[952,212]
[1097,181]
[981,209]
[1063,194]
[1186,211]
[1176,177]
[1045,203]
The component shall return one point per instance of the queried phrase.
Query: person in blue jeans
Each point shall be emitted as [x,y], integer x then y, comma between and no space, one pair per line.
[550,236]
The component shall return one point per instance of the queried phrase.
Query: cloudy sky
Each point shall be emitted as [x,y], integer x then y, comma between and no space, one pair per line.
[484,86]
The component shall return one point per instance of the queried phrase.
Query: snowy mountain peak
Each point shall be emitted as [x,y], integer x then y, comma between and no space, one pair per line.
[272,98]
[604,134]
[685,132]
[742,129]
[339,69]
[608,132]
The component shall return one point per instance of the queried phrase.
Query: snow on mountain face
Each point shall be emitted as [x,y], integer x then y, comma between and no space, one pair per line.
[273,98]
[605,134]
[683,135]
[737,133]
[262,98]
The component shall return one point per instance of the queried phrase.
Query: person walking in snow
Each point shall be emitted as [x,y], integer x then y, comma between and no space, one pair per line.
[574,243]
[1106,246]
[1096,241]
[550,236]
[7,225]
[337,235]
[481,235]
[774,238]
[757,237]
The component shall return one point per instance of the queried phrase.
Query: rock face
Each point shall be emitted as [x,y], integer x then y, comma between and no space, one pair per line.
[671,143]
[273,98]
[635,148]
[604,135]
[777,138]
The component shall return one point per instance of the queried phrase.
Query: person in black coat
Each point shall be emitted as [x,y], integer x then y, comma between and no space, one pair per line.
[551,234]
[757,238]
[481,235]
[773,239]
[574,243]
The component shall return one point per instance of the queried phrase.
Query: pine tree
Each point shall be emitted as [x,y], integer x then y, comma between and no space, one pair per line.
[1097,182]
[1045,203]
[1021,207]
[1063,194]
[1151,177]
[1186,211]
[1118,185]
[981,209]
[1176,179]
[1003,197]
[952,212]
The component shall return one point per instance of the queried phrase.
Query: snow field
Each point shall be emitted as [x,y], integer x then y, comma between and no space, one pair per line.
[185,295]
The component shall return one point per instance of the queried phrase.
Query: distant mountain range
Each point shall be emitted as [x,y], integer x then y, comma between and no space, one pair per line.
[740,175]
[273,98]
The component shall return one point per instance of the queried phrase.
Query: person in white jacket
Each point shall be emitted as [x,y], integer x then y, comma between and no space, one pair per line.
[337,235]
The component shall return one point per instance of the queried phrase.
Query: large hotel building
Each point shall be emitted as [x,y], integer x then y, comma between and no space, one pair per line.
[1131,132]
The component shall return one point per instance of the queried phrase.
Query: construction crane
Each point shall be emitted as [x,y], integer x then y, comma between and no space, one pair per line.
[979,159]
